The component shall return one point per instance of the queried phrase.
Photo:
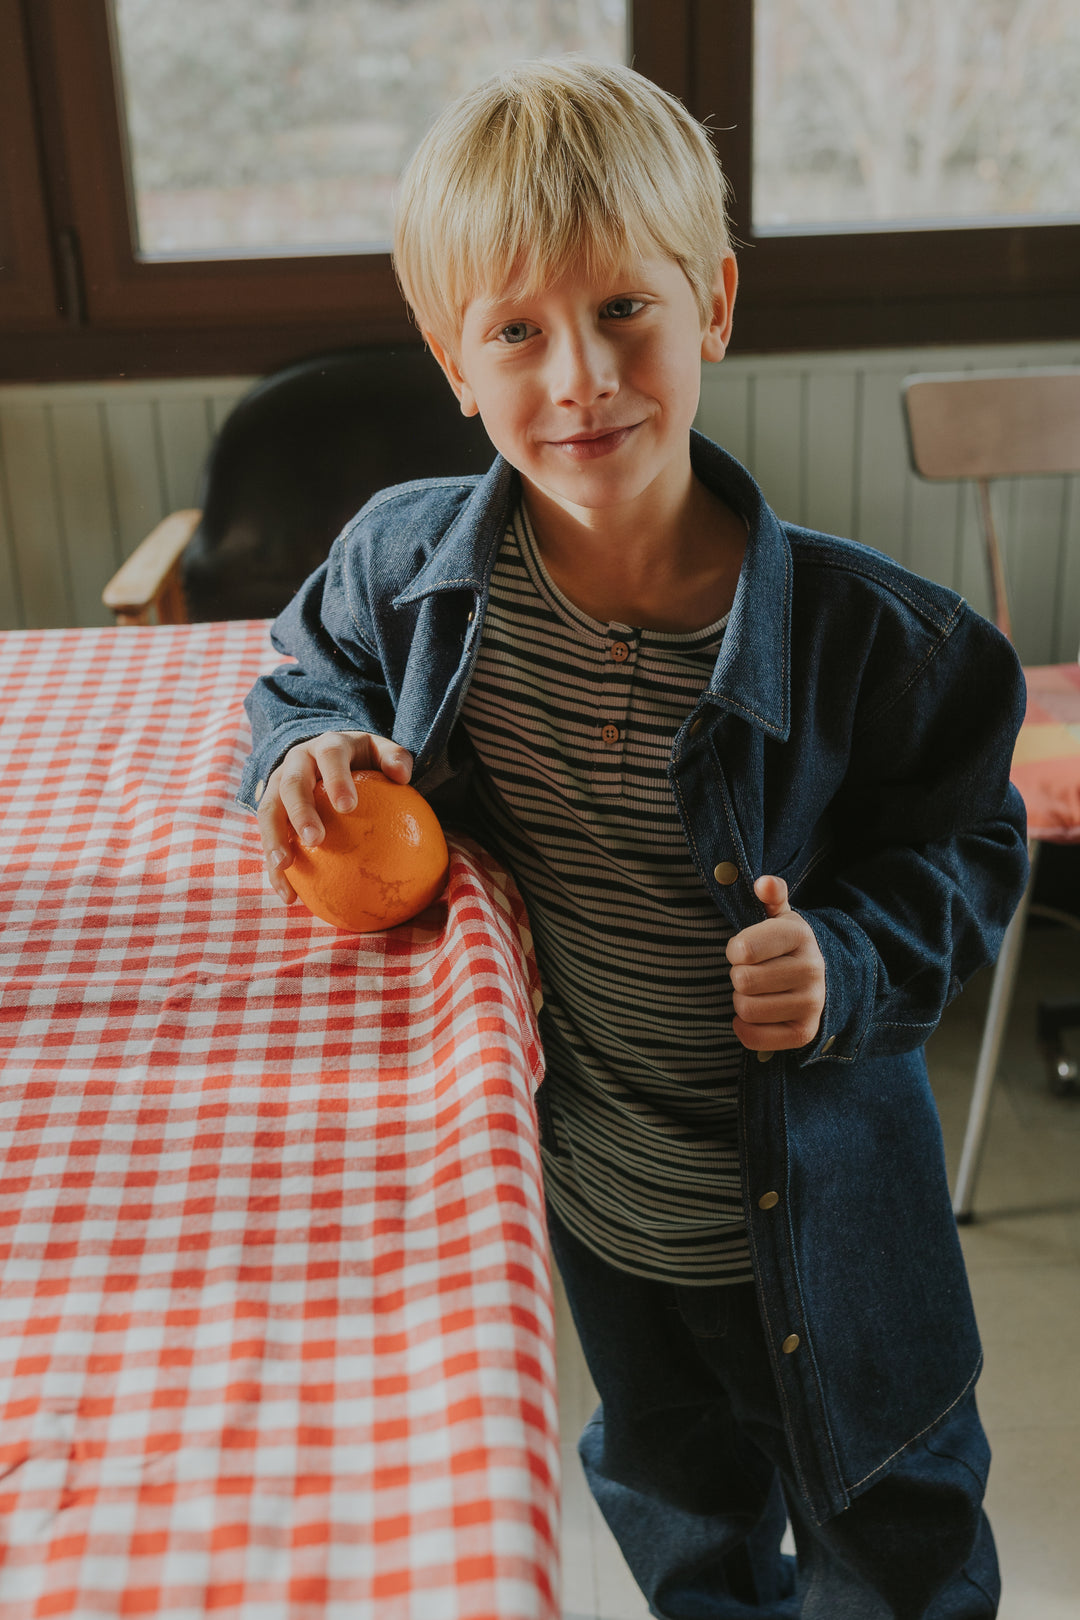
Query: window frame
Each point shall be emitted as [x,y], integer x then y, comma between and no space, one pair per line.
[78,303]
[814,289]
[28,285]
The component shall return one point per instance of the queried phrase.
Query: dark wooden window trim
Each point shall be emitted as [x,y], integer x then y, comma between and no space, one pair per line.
[75,302]
[28,286]
[880,288]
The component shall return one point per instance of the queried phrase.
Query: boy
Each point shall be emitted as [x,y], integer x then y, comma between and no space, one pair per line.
[753,784]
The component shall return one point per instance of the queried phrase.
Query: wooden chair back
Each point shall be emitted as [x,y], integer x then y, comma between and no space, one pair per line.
[986,425]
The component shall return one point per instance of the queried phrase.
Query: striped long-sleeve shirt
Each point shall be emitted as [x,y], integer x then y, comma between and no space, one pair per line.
[573,722]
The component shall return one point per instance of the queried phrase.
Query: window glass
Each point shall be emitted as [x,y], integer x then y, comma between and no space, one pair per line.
[915,112]
[263,126]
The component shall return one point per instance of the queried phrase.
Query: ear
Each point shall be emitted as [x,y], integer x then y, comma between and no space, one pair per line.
[717,334]
[454,375]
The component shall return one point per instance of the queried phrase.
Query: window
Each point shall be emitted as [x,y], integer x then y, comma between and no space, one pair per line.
[278,126]
[914,114]
[204,188]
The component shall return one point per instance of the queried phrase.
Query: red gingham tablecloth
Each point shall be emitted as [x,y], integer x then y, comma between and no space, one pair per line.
[276,1330]
[1046,760]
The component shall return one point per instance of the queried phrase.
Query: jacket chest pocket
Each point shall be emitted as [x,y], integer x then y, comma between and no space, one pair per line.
[799,870]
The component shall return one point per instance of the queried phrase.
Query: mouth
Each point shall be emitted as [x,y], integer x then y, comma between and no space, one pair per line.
[586,446]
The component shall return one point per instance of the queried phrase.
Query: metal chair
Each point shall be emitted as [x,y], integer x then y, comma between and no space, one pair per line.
[294,460]
[983,426]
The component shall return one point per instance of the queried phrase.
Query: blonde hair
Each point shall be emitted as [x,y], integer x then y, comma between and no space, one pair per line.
[550,164]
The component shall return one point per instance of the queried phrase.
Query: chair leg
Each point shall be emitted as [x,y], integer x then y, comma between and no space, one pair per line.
[997,1017]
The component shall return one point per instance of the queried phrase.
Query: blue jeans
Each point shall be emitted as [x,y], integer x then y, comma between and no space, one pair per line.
[687,1460]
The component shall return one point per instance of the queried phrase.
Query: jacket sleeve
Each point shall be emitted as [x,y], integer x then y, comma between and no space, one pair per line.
[336,684]
[934,842]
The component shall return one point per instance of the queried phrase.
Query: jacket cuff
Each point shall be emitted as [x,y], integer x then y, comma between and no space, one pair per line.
[262,762]
[851,974]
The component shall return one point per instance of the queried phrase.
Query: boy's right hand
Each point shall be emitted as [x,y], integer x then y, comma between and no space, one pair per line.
[289,795]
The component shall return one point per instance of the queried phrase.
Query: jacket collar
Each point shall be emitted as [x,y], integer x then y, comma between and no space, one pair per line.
[465,554]
[752,674]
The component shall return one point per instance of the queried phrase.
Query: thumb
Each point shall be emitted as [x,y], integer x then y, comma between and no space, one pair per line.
[772,892]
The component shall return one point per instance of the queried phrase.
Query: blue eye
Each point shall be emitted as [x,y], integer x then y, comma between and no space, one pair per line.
[515,332]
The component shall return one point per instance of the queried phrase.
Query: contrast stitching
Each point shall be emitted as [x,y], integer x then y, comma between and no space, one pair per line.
[752,714]
[771,1332]
[788,579]
[814,860]
[398,492]
[929,1426]
[920,668]
[863,568]
[465,579]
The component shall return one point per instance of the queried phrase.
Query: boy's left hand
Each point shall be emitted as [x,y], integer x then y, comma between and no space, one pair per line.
[777,975]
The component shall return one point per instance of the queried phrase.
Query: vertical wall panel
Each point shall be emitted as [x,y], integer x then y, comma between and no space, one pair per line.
[1034,564]
[1068,616]
[972,575]
[136,469]
[882,476]
[832,444]
[35,516]
[723,413]
[933,514]
[11,607]
[777,442]
[87,523]
[185,439]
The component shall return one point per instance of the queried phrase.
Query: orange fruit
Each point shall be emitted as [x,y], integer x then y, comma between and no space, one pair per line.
[379,864]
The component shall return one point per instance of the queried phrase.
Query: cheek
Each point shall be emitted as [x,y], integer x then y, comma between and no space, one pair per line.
[504,411]
[670,371]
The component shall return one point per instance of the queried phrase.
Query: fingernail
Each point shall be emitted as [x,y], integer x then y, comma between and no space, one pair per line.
[276,858]
[311,833]
[344,801]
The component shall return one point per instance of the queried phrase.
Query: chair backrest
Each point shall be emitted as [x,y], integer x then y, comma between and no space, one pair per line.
[985,425]
[300,454]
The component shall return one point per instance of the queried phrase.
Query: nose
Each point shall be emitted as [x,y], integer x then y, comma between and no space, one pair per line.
[582,368]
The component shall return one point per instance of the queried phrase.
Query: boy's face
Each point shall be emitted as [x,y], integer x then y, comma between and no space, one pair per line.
[590,386]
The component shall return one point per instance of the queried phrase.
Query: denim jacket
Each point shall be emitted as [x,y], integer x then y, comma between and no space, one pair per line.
[855,739]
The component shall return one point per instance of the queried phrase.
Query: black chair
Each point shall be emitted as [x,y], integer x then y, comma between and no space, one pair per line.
[293,461]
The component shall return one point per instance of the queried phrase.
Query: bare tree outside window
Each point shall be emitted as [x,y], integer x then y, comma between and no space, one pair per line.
[915,111]
[268,126]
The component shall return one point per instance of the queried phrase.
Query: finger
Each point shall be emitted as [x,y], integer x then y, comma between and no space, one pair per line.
[773,894]
[372,753]
[790,1007]
[277,849]
[770,978]
[394,761]
[776,936]
[296,789]
[332,753]
[769,1037]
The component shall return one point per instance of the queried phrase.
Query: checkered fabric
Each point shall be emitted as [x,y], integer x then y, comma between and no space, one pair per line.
[1046,761]
[276,1326]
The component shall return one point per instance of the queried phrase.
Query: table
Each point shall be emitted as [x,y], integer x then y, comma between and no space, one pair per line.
[1046,770]
[1046,760]
[276,1323]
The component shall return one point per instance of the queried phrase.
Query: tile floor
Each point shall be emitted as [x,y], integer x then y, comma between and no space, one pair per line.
[1023,1254]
